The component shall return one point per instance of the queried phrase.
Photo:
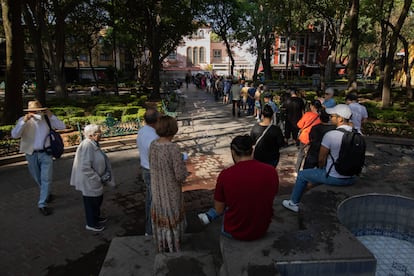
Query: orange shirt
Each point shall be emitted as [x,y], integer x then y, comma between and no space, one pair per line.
[305,124]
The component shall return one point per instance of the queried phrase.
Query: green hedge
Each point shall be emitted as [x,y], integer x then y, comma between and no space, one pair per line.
[389,129]
[68,111]
[6,129]
[72,122]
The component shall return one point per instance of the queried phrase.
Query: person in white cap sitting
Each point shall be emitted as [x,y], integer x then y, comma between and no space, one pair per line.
[325,173]
[32,129]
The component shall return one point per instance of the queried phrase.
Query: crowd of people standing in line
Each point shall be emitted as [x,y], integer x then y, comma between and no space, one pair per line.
[243,199]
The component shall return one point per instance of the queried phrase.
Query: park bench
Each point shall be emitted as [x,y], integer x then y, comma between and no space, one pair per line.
[166,111]
[112,127]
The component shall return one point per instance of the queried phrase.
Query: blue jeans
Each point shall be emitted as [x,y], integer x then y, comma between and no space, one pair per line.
[40,166]
[212,215]
[146,176]
[316,177]
[92,209]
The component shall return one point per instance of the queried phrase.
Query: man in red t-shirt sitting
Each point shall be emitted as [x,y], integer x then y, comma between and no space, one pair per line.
[244,193]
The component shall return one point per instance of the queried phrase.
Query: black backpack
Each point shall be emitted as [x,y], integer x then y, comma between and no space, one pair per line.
[57,146]
[351,157]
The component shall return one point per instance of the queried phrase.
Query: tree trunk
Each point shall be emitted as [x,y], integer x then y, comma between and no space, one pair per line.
[56,51]
[330,67]
[230,55]
[287,56]
[407,68]
[156,66]
[92,67]
[267,67]
[13,101]
[353,51]
[383,57]
[386,90]
[35,32]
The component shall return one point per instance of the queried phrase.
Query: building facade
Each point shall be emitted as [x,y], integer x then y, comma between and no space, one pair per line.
[298,54]
[199,54]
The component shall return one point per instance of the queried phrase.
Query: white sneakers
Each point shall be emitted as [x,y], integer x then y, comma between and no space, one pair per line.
[288,204]
[204,218]
[95,229]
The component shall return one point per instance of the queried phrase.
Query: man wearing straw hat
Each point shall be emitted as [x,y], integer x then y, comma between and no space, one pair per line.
[32,129]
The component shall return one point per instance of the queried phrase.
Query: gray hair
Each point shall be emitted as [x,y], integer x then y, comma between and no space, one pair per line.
[91,129]
[330,91]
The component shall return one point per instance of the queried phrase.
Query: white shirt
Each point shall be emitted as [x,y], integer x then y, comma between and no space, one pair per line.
[33,133]
[145,137]
[332,140]
[359,113]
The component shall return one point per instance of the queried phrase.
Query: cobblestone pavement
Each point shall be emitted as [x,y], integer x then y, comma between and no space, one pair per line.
[59,244]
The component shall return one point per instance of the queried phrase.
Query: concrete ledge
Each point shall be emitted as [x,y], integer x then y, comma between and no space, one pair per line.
[390,140]
[136,255]
[317,245]
[184,263]
[129,256]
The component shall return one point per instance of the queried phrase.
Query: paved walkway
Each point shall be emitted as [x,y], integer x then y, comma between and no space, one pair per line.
[59,244]
[36,245]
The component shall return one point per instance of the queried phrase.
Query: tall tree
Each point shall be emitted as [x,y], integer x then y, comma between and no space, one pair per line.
[224,17]
[13,101]
[84,30]
[395,29]
[162,25]
[260,21]
[54,39]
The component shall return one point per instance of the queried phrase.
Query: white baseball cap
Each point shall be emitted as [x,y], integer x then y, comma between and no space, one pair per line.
[341,110]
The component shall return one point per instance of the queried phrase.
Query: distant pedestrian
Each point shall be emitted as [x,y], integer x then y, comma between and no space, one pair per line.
[315,138]
[359,112]
[235,92]
[250,99]
[257,102]
[328,100]
[188,78]
[168,173]
[305,124]
[244,194]
[294,108]
[243,94]
[91,171]
[226,89]
[267,100]
[33,130]
[145,136]
[268,139]
[219,85]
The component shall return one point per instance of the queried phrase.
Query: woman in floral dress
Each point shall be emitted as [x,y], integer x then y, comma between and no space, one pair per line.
[168,172]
